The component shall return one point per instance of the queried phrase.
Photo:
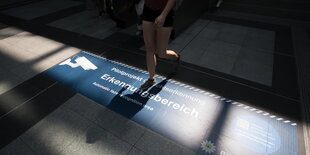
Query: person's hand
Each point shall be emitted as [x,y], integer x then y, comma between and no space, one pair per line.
[159,21]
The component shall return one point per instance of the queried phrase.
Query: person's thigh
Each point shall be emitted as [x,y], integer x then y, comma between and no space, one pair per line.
[162,40]
[149,35]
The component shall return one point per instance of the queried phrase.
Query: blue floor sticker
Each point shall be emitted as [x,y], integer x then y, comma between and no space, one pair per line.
[195,118]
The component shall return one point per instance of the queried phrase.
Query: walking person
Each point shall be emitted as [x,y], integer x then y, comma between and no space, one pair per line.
[157,27]
[139,10]
[100,6]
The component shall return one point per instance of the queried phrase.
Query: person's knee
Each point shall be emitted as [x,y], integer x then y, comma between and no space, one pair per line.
[162,53]
[150,49]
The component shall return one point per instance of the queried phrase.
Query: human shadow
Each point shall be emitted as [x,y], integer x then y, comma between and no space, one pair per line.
[130,104]
[127,105]
[219,126]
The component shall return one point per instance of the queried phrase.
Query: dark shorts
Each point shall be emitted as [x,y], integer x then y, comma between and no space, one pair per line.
[150,15]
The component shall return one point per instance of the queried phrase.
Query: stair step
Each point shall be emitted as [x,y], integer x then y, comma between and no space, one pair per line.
[269,11]
[284,4]
[13,4]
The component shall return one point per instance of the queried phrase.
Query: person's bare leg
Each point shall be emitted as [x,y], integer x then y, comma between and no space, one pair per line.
[162,40]
[149,40]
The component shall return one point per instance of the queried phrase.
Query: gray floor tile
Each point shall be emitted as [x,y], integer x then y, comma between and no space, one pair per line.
[35,49]
[85,107]
[8,80]
[253,72]
[61,4]
[232,34]
[220,56]
[209,33]
[24,72]
[254,66]
[25,69]
[28,70]
[27,54]
[188,35]
[120,126]
[196,27]
[88,23]
[254,17]
[56,132]
[9,31]
[18,38]
[72,22]
[27,12]
[212,30]
[181,42]
[258,56]
[195,50]
[216,25]
[40,8]
[42,46]
[33,43]
[135,151]
[99,28]
[43,65]
[55,56]
[16,147]
[105,32]
[97,141]
[12,56]
[107,119]
[153,143]
[259,38]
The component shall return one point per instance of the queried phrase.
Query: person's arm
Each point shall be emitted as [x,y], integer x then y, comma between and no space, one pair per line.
[160,20]
[170,4]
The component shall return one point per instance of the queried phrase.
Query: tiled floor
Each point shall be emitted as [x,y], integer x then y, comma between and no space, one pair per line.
[25,50]
[229,48]
[40,8]
[7,32]
[87,23]
[79,125]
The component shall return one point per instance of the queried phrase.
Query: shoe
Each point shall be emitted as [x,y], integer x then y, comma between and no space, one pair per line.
[176,64]
[147,84]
